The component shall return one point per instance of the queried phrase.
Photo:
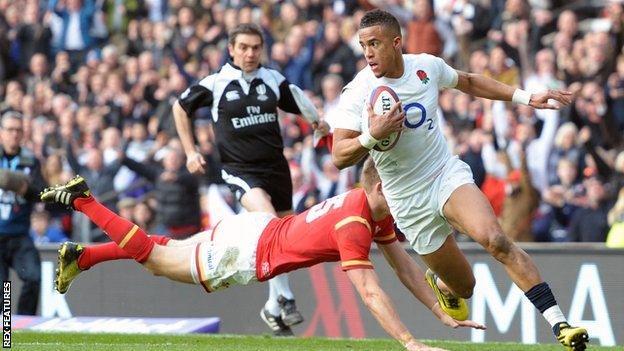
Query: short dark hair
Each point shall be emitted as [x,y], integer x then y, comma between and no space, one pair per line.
[245,28]
[382,18]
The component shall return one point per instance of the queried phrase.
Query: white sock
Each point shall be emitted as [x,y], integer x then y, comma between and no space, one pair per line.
[271,305]
[281,286]
[277,286]
[554,315]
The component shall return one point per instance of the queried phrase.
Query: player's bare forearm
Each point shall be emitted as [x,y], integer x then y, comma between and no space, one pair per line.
[408,272]
[482,86]
[347,149]
[379,303]
[183,127]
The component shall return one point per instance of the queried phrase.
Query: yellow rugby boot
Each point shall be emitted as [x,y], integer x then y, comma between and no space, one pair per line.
[573,338]
[65,194]
[454,306]
[67,269]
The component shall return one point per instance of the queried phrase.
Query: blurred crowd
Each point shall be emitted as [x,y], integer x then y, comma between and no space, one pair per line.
[95,81]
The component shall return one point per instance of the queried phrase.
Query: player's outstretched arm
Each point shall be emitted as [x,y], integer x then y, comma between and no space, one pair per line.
[482,86]
[194,160]
[408,272]
[379,303]
[413,278]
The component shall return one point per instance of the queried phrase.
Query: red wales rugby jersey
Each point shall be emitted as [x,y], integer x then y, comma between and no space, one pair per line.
[338,229]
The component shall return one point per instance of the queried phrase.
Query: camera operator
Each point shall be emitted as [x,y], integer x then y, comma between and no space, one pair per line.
[20,184]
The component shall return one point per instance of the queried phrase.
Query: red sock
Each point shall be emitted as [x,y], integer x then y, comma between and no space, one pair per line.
[126,234]
[95,254]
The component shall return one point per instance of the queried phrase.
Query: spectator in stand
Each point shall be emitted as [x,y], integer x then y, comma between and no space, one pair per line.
[304,192]
[61,74]
[98,174]
[20,184]
[75,37]
[331,87]
[591,109]
[589,223]
[140,149]
[426,34]
[567,23]
[543,77]
[564,147]
[34,34]
[42,231]
[125,207]
[300,47]
[470,152]
[615,93]
[38,72]
[143,215]
[560,201]
[332,55]
[176,192]
[501,68]
[423,34]
[119,12]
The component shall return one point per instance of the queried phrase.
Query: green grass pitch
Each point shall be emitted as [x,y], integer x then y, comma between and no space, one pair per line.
[33,341]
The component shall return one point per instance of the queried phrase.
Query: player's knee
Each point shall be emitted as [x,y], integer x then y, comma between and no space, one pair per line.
[498,245]
[152,268]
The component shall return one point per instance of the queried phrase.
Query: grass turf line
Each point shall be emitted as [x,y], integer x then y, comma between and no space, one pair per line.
[44,341]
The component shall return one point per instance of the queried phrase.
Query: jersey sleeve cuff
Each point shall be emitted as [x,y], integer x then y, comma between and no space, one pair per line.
[386,239]
[355,264]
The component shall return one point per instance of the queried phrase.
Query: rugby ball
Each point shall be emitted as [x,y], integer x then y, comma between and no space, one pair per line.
[382,99]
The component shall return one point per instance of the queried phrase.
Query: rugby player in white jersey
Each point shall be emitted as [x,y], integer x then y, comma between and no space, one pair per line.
[428,189]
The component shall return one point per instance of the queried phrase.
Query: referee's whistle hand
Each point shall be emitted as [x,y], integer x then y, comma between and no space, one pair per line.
[195,163]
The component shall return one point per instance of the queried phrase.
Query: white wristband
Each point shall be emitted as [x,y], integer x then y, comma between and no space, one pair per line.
[367,140]
[521,97]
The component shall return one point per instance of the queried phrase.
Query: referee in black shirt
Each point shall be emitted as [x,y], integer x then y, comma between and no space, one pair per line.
[244,97]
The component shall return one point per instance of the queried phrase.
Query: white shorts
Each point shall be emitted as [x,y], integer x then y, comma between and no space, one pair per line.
[419,216]
[229,257]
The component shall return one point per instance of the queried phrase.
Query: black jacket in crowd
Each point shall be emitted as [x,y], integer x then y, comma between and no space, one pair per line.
[178,200]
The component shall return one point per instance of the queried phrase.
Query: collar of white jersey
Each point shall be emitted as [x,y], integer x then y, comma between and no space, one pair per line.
[403,77]
[232,71]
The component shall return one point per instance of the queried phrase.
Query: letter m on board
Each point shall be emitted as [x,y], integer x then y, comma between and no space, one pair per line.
[330,312]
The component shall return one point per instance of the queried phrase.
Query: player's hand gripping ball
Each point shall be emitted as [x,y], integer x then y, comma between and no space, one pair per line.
[382,99]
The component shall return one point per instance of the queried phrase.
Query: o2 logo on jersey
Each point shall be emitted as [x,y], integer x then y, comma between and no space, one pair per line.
[417,117]
[322,208]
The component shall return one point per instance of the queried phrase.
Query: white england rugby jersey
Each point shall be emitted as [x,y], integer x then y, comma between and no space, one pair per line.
[421,151]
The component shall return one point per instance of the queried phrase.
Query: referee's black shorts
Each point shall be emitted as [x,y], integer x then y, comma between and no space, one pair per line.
[274,178]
